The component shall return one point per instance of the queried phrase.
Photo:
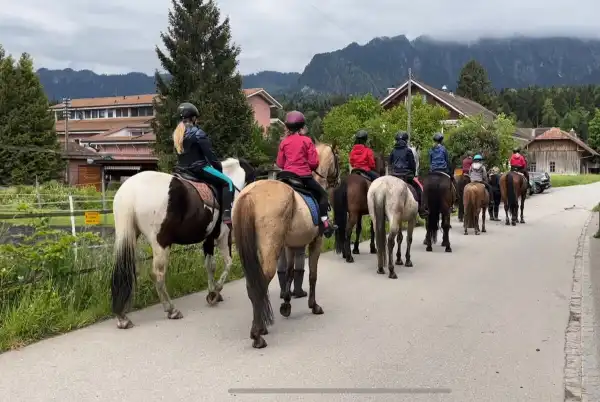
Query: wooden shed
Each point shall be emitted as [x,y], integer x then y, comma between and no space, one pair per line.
[556,151]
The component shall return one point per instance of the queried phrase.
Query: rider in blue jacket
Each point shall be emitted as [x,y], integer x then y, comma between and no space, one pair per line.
[438,156]
[196,156]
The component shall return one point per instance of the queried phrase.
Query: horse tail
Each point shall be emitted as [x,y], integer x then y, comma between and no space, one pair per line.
[434,204]
[124,275]
[469,205]
[340,214]
[246,240]
[379,213]
[510,190]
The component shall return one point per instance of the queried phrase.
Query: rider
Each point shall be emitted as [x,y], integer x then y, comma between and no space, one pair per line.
[518,163]
[478,174]
[361,156]
[298,155]
[438,157]
[466,163]
[196,156]
[403,165]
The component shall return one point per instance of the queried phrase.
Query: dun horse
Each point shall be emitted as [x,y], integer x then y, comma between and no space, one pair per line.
[274,216]
[169,210]
[439,196]
[476,199]
[390,197]
[349,206]
[513,185]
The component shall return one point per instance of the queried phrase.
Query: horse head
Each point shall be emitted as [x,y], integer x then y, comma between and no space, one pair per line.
[328,172]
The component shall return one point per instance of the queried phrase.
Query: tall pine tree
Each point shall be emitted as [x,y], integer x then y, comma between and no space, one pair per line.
[202,64]
[474,84]
[29,146]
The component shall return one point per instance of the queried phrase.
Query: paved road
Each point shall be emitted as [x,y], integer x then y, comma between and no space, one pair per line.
[487,321]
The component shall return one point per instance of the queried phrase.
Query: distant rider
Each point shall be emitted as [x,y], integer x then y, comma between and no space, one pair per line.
[478,174]
[518,163]
[298,155]
[361,156]
[466,163]
[403,165]
[196,156]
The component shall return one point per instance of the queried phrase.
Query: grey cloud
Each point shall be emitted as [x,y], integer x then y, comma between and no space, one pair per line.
[116,36]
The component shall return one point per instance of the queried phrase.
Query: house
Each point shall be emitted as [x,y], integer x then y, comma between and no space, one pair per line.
[556,151]
[118,130]
[457,106]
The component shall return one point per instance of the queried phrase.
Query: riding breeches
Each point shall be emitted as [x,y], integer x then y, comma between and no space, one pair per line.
[323,198]
[299,259]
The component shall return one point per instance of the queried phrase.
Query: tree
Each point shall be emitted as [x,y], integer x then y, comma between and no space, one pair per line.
[594,131]
[549,116]
[29,146]
[474,84]
[201,62]
[493,140]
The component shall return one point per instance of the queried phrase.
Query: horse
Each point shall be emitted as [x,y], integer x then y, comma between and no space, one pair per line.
[439,196]
[271,216]
[350,205]
[461,182]
[169,209]
[513,184]
[476,199]
[390,197]
[494,205]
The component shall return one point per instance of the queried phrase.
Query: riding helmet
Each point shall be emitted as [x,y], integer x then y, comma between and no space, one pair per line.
[295,121]
[361,135]
[477,157]
[438,137]
[402,135]
[515,150]
[186,111]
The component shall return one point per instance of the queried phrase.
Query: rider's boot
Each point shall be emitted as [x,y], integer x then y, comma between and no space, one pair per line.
[227,201]
[326,227]
[298,279]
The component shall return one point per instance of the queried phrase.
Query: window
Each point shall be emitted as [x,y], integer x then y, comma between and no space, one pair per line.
[88,114]
[110,113]
[532,167]
[424,97]
[80,116]
[135,112]
[101,113]
[119,112]
[552,167]
[146,111]
[95,114]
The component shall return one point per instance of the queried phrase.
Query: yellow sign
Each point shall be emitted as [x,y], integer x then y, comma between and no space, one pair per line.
[458,172]
[92,218]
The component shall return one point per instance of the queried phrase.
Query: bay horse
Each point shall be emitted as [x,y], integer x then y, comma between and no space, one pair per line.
[350,205]
[512,185]
[439,196]
[275,216]
[169,209]
[476,200]
[461,182]
[390,197]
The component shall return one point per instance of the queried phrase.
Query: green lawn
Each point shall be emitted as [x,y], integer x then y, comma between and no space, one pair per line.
[107,220]
[560,180]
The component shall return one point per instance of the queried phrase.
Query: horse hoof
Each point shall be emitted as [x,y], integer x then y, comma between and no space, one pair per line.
[263,331]
[355,251]
[408,263]
[212,298]
[448,249]
[507,223]
[399,262]
[380,271]
[522,221]
[373,250]
[285,309]
[220,298]
[514,223]
[316,309]
[429,248]
[466,233]
[477,233]
[124,323]
[259,343]
[424,242]
[174,314]
[392,275]
[483,230]
[349,259]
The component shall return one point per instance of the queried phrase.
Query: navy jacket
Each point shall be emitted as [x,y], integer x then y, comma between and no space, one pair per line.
[402,160]
[197,151]
[438,159]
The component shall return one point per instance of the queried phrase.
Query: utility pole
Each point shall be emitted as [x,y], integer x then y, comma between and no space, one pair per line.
[409,102]
[66,112]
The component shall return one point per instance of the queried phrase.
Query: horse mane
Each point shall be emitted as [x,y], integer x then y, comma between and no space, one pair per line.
[230,162]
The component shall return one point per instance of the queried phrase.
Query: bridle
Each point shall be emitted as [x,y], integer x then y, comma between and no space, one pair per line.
[332,180]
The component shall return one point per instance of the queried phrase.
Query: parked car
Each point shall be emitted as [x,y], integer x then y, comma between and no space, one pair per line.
[540,182]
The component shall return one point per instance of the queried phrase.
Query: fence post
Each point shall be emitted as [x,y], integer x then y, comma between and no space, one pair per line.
[72,209]
[103,195]
[37,192]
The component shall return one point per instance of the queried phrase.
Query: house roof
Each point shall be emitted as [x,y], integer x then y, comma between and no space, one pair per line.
[105,137]
[557,134]
[463,106]
[250,92]
[529,133]
[145,99]
[99,125]
[77,151]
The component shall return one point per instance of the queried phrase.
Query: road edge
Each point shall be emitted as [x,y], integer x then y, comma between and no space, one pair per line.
[575,340]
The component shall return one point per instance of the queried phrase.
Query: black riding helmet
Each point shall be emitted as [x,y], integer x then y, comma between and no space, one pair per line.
[438,137]
[186,111]
[402,135]
[515,150]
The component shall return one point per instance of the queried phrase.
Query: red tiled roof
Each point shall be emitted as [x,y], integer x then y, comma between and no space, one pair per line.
[557,134]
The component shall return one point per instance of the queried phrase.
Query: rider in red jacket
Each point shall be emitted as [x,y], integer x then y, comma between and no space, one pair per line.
[467,162]
[361,156]
[518,163]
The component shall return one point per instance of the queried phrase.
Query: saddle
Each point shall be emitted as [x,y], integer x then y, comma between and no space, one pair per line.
[361,173]
[305,193]
[208,193]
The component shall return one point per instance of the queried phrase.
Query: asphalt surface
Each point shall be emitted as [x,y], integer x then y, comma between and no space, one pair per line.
[486,322]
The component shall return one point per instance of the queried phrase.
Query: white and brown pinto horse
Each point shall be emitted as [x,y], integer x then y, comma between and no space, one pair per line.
[169,210]
[270,217]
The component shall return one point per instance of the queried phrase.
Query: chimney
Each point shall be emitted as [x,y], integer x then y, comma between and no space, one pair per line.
[445,88]
[390,90]
[573,133]
[533,133]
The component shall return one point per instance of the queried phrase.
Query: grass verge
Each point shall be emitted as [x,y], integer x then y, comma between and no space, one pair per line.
[559,180]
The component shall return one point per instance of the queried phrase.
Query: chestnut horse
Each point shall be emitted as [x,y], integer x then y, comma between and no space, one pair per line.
[461,182]
[476,199]
[513,185]
[271,217]
[349,206]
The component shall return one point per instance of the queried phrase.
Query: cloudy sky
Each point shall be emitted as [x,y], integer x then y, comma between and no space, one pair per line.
[116,36]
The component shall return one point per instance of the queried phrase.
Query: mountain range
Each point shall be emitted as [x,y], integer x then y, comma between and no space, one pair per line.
[381,63]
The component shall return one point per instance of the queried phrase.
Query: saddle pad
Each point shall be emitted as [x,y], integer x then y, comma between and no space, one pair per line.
[442,173]
[205,192]
[416,180]
[312,205]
